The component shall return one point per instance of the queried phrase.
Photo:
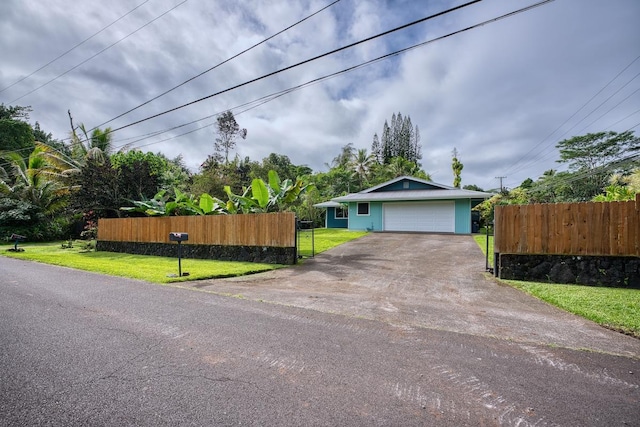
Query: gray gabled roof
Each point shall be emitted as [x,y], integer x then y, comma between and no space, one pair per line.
[329,204]
[443,192]
[412,195]
[410,178]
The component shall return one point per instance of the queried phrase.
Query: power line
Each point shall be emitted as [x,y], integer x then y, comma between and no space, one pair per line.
[608,111]
[217,65]
[74,47]
[576,176]
[271,97]
[513,166]
[604,102]
[616,164]
[275,95]
[100,52]
[550,150]
[305,62]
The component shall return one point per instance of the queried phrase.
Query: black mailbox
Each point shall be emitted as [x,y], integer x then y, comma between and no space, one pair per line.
[178,237]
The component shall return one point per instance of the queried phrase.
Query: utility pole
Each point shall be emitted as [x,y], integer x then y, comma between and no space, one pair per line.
[501,178]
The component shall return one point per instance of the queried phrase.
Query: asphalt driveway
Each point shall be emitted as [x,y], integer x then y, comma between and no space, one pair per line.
[422,280]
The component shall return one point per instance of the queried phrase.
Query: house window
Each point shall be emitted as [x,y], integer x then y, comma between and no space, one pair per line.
[341,213]
[405,185]
[363,208]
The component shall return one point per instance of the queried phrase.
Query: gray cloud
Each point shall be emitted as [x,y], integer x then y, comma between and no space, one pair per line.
[495,93]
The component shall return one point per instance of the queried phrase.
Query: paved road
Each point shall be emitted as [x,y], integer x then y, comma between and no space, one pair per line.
[84,349]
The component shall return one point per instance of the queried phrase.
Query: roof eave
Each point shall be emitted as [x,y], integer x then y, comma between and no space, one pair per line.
[347,199]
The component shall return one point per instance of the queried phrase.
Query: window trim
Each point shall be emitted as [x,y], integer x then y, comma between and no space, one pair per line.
[344,210]
[368,209]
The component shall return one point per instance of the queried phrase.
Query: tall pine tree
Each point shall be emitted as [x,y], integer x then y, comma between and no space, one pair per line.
[400,139]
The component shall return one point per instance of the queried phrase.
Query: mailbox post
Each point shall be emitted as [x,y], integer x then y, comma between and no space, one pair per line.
[179,237]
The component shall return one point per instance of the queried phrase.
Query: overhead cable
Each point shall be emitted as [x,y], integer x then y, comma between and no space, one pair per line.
[74,47]
[217,65]
[275,95]
[101,51]
[514,165]
[305,62]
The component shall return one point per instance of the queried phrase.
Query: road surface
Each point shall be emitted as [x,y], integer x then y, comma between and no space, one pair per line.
[84,349]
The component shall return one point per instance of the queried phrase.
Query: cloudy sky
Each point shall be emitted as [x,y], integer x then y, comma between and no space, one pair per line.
[503,94]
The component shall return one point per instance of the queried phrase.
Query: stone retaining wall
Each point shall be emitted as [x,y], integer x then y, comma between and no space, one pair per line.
[615,271]
[270,255]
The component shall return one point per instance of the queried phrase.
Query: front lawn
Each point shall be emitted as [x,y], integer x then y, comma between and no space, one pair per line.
[143,267]
[613,308]
[157,269]
[325,239]
[481,240]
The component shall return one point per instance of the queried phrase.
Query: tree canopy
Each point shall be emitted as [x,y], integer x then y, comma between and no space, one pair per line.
[594,157]
[400,139]
[228,130]
[46,185]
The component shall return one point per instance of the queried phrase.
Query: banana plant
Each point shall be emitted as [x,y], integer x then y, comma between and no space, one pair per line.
[285,192]
[262,197]
[182,204]
[211,205]
[259,197]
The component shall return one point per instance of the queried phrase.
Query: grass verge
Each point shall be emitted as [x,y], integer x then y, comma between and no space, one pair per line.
[481,240]
[149,268]
[156,269]
[325,239]
[613,308]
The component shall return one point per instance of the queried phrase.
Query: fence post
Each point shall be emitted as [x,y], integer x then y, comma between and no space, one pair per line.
[637,227]
[296,235]
[496,254]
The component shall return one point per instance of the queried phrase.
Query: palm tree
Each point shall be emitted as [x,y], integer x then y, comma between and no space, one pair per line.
[344,158]
[35,181]
[361,163]
[399,166]
[97,146]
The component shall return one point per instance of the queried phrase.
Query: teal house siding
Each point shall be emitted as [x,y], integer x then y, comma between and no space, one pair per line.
[410,205]
[333,222]
[463,216]
[371,222]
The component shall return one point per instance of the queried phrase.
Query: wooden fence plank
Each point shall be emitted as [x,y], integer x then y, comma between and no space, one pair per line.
[273,229]
[636,238]
[547,229]
[592,228]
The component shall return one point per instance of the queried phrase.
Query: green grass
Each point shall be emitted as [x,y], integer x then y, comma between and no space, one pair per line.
[149,268]
[156,269]
[326,238]
[613,308]
[481,240]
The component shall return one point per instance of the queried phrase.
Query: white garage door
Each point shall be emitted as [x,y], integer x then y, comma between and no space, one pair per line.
[420,216]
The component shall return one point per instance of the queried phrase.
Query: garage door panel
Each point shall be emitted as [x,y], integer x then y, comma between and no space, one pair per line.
[420,216]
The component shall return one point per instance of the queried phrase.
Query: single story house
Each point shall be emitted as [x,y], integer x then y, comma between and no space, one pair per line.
[405,204]
[337,214]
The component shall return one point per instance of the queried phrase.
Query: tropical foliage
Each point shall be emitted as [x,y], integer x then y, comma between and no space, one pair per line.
[51,188]
[260,197]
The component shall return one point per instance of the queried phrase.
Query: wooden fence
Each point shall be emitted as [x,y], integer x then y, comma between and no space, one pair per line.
[593,228]
[272,229]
